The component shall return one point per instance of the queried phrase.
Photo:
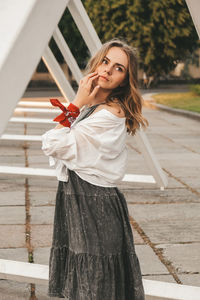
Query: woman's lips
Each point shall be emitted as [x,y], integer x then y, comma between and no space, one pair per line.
[103,77]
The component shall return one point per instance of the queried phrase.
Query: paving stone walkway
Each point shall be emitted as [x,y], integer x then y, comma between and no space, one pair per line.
[165,224]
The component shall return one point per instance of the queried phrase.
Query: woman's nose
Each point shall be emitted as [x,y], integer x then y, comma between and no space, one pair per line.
[108,69]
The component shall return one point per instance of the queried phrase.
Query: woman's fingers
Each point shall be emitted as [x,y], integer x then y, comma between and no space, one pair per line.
[90,80]
[90,76]
[95,90]
[85,90]
[87,82]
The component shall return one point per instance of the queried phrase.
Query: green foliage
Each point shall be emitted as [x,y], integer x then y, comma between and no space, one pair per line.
[195,88]
[162,30]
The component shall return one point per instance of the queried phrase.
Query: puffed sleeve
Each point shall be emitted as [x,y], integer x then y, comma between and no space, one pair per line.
[59,143]
[84,143]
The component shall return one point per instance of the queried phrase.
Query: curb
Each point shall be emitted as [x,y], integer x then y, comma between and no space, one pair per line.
[148,102]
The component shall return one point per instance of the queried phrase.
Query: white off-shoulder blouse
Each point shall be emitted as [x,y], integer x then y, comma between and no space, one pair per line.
[94,148]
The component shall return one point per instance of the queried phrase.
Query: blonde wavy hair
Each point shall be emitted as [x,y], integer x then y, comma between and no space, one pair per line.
[128,95]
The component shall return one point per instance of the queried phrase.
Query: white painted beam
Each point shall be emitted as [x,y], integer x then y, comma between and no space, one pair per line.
[84,25]
[58,75]
[138,178]
[194,9]
[150,158]
[27,172]
[173,291]
[37,110]
[31,120]
[37,103]
[66,52]
[21,137]
[25,29]
[24,271]
[51,173]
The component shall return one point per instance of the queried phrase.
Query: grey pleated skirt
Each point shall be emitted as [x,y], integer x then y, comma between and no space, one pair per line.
[92,255]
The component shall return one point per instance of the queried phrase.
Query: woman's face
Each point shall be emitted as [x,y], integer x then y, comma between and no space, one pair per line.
[113,69]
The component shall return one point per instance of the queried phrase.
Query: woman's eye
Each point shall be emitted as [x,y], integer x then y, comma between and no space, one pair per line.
[119,69]
[104,61]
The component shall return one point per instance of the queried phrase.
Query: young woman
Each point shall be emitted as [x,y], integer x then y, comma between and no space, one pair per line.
[93,255]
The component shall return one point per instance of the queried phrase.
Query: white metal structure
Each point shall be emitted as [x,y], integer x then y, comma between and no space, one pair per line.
[25,42]
[89,35]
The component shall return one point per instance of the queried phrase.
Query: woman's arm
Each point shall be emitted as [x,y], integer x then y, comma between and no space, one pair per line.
[86,139]
[85,93]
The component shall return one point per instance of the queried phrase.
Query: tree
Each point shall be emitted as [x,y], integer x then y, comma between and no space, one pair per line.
[162,30]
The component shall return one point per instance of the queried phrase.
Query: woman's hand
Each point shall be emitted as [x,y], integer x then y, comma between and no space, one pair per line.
[86,93]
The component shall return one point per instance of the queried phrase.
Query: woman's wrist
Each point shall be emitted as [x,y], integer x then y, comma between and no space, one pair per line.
[77,103]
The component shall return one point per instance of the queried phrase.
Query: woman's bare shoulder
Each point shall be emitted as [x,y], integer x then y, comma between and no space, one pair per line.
[113,107]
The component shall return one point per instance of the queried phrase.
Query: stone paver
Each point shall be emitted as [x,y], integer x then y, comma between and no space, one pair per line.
[165,278]
[41,235]
[191,279]
[12,197]
[149,262]
[12,215]
[11,151]
[185,257]
[168,223]
[168,195]
[12,290]
[41,255]
[41,293]
[17,161]
[12,236]
[44,197]
[19,254]
[169,219]
[40,184]
[138,240]
[42,214]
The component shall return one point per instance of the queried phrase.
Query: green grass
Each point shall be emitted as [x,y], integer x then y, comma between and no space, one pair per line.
[195,88]
[188,101]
